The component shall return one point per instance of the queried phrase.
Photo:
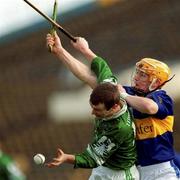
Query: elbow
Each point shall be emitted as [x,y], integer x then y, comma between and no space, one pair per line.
[151,108]
[91,82]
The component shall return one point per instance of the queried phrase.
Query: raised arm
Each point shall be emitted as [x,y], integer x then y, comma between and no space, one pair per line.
[103,73]
[82,45]
[80,70]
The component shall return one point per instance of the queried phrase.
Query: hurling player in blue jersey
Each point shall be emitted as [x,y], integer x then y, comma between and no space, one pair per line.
[154,117]
[151,106]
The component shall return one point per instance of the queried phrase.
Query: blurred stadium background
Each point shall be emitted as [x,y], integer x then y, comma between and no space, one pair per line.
[37,92]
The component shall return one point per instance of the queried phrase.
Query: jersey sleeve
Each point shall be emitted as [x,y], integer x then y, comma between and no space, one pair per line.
[96,153]
[164,102]
[102,71]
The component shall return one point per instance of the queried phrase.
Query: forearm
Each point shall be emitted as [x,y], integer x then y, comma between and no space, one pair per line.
[82,46]
[84,161]
[80,70]
[70,159]
[89,54]
[141,104]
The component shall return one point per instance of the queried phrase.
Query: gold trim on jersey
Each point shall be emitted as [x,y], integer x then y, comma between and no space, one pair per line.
[151,127]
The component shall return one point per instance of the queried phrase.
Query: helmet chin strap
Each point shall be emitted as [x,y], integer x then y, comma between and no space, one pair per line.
[144,94]
[151,85]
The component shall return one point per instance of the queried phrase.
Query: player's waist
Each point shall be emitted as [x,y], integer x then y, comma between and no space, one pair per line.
[159,166]
[111,172]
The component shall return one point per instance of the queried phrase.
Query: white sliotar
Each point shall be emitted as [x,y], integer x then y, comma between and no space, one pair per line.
[39,158]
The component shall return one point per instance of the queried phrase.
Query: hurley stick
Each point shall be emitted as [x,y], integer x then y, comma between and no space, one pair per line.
[54,17]
[69,35]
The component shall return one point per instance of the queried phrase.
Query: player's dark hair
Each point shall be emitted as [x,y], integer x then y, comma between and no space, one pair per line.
[106,93]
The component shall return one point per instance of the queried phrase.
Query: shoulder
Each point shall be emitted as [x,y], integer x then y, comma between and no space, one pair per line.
[160,96]
[125,122]
[164,102]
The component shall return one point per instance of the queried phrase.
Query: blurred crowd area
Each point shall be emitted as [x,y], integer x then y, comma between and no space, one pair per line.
[122,33]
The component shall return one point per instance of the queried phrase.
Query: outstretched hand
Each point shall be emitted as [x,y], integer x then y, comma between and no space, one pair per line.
[58,160]
[61,158]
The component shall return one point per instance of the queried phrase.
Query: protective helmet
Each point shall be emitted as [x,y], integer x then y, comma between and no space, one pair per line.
[154,68]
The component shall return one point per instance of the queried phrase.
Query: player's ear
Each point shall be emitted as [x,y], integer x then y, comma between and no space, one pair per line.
[115,106]
[157,83]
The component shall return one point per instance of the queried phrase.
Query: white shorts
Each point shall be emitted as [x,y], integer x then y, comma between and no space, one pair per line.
[104,173]
[161,171]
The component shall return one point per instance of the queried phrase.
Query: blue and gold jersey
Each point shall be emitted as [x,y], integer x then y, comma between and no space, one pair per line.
[154,132]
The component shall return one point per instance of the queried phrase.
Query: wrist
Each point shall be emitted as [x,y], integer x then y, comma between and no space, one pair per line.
[70,158]
[90,55]
[59,50]
[124,95]
[60,53]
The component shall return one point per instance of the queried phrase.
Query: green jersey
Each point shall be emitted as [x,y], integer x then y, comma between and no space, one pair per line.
[113,143]
[8,169]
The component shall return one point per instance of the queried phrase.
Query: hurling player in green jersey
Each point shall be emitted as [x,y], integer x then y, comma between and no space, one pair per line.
[112,152]
[151,106]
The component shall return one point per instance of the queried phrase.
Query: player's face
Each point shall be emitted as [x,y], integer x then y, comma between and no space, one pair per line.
[141,81]
[100,111]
